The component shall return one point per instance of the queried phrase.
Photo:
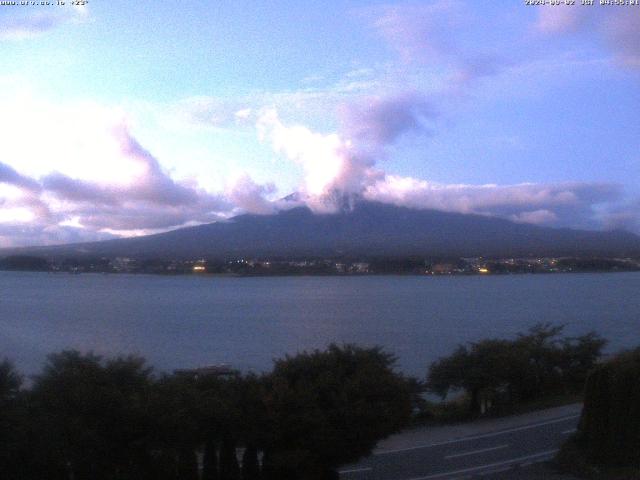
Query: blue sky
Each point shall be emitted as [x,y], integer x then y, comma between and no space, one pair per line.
[124,118]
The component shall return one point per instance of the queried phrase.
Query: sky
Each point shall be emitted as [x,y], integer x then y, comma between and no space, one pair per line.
[121,118]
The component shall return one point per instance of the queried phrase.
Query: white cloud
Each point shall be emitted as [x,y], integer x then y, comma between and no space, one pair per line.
[104,179]
[250,197]
[536,217]
[567,203]
[76,139]
[328,160]
[24,23]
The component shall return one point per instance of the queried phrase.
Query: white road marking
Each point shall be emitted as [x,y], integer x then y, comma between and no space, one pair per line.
[475,437]
[355,470]
[497,470]
[473,452]
[567,432]
[489,465]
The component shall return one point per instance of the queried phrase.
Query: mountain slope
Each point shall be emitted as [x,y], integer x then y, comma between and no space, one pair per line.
[370,229]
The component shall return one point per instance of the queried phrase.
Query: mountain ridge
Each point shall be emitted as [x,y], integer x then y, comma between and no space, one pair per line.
[368,229]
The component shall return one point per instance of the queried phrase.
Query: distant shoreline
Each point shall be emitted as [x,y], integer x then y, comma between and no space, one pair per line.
[322,275]
[318,266]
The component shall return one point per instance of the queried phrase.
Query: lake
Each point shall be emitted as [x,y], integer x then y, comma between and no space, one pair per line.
[189,321]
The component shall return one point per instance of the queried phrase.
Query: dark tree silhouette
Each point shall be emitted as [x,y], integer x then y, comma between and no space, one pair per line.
[210,461]
[609,430]
[535,364]
[13,424]
[92,415]
[331,407]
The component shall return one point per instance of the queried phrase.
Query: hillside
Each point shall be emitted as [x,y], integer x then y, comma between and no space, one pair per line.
[369,229]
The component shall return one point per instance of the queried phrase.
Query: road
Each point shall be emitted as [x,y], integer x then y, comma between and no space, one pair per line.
[468,451]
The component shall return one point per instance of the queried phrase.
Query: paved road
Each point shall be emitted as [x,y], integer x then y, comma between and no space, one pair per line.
[487,447]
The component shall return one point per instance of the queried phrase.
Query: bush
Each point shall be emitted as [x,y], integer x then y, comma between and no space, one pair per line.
[609,430]
[571,459]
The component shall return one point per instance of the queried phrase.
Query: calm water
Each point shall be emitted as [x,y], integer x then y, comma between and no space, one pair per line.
[189,321]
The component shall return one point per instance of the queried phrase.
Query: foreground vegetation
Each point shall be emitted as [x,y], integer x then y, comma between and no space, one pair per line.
[607,443]
[89,418]
[498,374]
[85,417]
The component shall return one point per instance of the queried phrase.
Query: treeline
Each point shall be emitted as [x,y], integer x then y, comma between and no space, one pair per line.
[496,373]
[85,417]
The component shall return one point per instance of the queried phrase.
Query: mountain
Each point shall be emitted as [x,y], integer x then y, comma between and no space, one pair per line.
[368,229]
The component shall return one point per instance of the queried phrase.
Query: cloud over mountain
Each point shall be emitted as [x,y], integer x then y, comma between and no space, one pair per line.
[351,162]
[366,125]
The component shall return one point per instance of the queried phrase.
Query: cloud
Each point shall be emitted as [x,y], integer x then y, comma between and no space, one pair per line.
[344,163]
[330,162]
[27,26]
[427,36]
[105,179]
[212,111]
[150,200]
[419,31]
[22,199]
[339,167]
[379,121]
[342,166]
[25,23]
[10,176]
[617,28]
[565,203]
[535,217]
[153,184]
[142,217]
[242,111]
[77,190]
[561,20]
[251,197]
[13,235]
[622,33]
[623,217]
[145,198]
[150,184]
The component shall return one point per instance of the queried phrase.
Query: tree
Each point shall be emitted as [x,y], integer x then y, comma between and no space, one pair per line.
[331,407]
[210,461]
[176,408]
[250,427]
[609,429]
[92,416]
[484,369]
[221,419]
[13,424]
[10,382]
[535,364]
[579,356]
[542,354]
